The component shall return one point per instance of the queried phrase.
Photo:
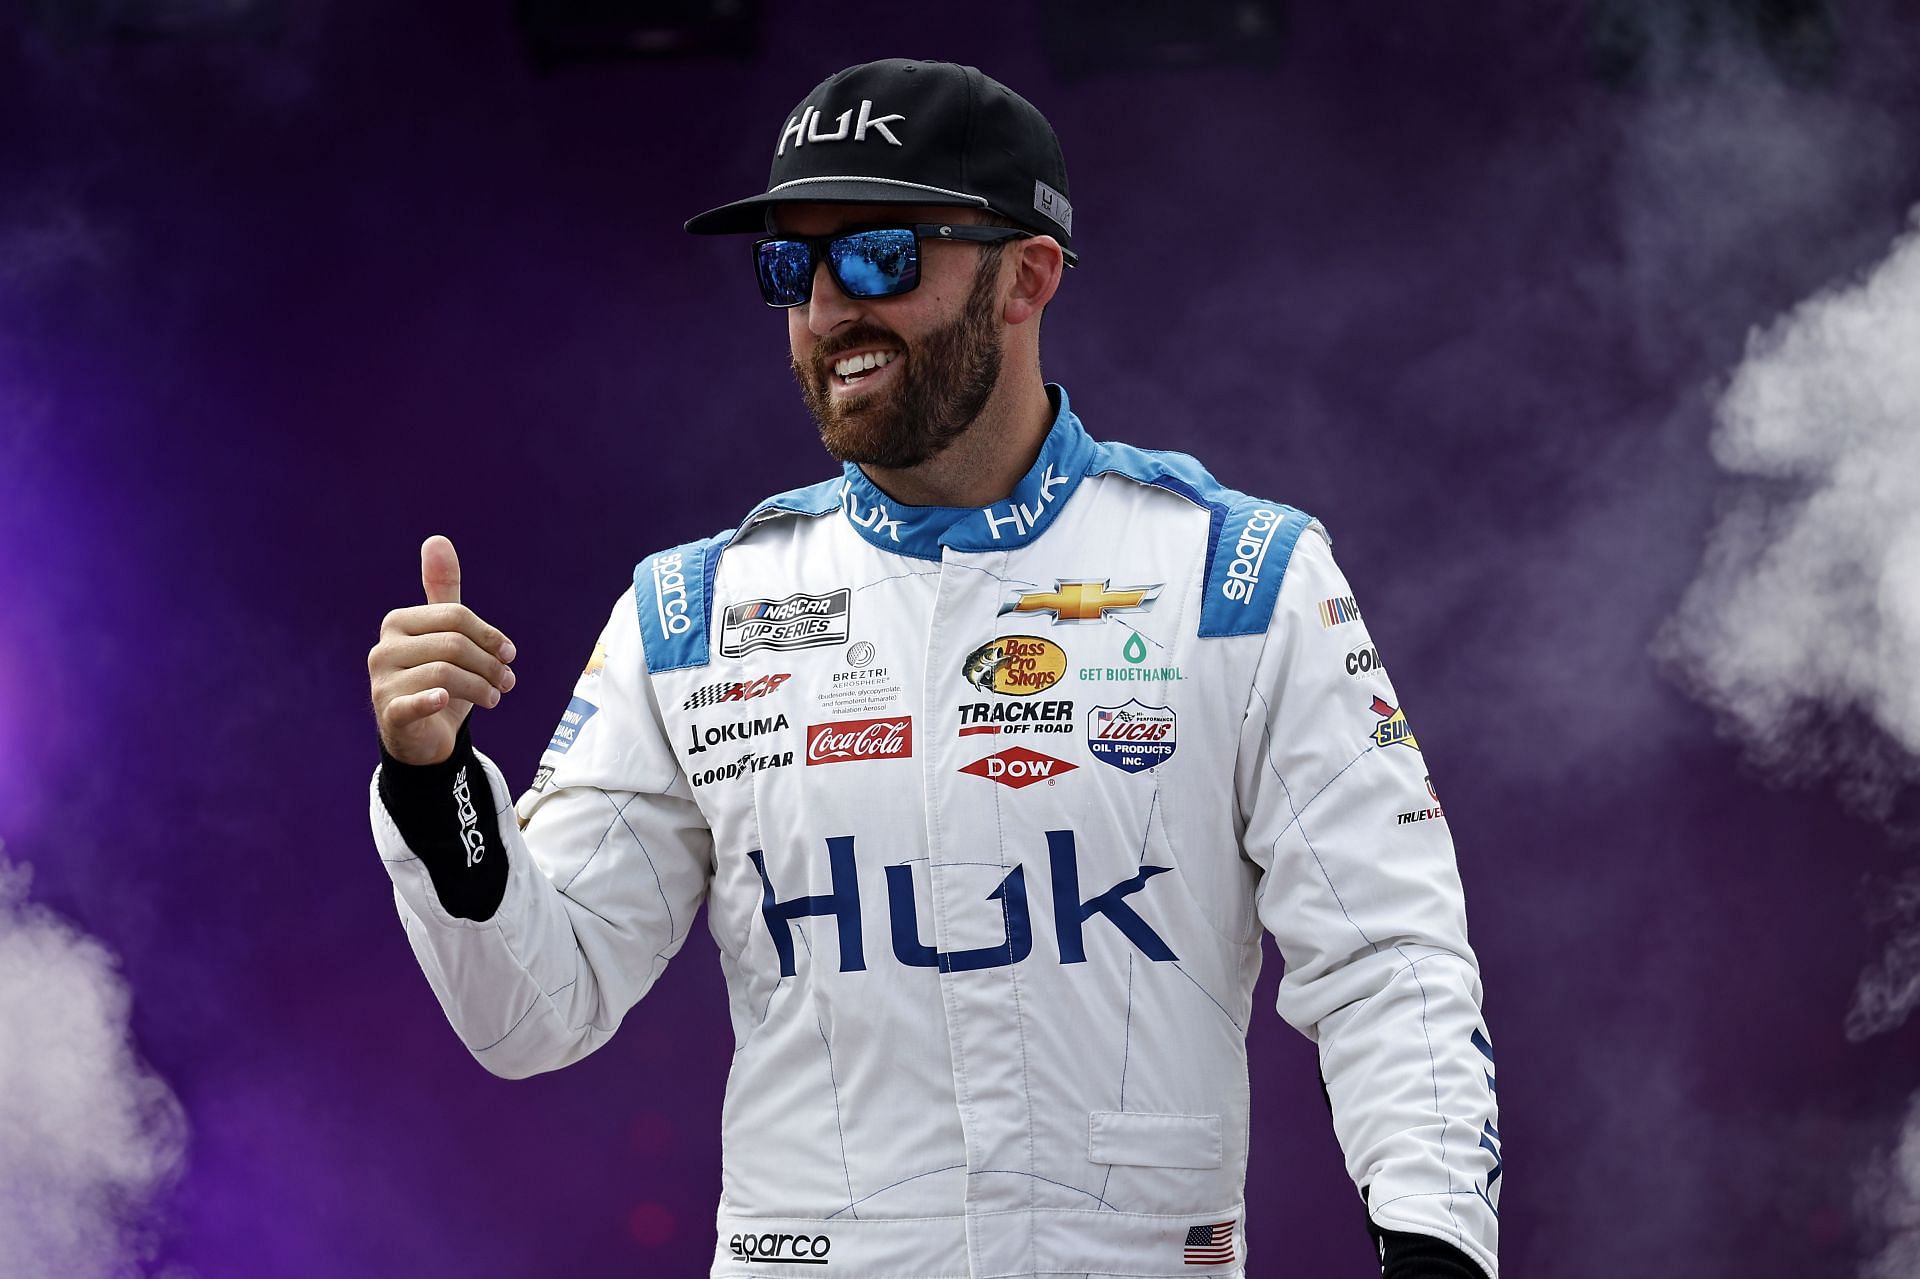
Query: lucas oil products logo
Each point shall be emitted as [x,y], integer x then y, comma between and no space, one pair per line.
[1081,602]
[1392,730]
[847,740]
[792,1250]
[738,690]
[1132,737]
[798,621]
[1017,766]
[1249,553]
[1016,717]
[1018,664]
[738,731]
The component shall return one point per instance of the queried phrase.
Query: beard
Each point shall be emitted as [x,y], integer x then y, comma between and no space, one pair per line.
[940,386]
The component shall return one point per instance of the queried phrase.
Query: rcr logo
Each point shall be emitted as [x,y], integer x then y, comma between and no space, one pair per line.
[670,594]
[804,1250]
[1249,553]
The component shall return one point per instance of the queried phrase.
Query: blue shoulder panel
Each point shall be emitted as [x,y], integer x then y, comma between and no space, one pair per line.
[1246,565]
[673,592]
[1249,541]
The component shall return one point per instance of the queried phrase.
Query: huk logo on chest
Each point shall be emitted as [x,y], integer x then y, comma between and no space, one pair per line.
[805,127]
[1070,913]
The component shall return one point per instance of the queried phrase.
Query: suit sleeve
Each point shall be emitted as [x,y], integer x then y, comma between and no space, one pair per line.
[606,857]
[1360,890]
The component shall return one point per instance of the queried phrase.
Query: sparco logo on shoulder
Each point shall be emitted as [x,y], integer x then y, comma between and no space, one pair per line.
[801,1250]
[670,594]
[1249,553]
[851,739]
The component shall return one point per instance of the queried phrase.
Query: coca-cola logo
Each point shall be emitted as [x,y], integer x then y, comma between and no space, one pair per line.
[851,739]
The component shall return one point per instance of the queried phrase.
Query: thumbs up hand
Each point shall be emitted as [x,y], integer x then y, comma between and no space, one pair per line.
[434,662]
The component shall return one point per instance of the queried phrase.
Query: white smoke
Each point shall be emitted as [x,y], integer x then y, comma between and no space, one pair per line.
[1890,1196]
[1803,628]
[89,1136]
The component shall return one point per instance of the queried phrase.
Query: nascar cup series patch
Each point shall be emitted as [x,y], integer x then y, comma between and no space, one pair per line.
[1132,737]
[798,621]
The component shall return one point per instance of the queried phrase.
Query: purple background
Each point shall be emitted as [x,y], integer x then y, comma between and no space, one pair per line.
[269,315]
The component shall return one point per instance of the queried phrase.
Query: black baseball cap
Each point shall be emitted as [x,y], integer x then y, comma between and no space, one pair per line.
[900,131]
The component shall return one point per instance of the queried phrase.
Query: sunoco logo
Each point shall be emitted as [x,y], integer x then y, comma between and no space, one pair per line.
[1018,664]
[1249,553]
[799,1250]
[670,594]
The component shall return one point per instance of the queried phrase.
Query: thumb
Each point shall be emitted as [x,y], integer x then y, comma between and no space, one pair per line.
[440,570]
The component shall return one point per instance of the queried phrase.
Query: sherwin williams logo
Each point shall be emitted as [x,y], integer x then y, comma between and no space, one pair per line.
[1081,602]
[798,621]
[1018,664]
[1392,729]
[853,739]
[1132,737]
[1249,553]
[1017,766]
[792,1250]
[670,594]
[572,720]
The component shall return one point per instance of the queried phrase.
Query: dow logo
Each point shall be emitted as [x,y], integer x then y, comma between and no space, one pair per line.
[1017,766]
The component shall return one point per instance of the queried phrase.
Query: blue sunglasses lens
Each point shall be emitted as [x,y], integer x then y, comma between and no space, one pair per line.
[876,264]
[785,268]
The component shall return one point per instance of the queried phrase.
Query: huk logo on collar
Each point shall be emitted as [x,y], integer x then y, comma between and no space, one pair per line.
[1021,518]
[1081,601]
[874,519]
[805,127]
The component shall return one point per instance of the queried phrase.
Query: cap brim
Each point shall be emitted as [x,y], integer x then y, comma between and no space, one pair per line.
[749,215]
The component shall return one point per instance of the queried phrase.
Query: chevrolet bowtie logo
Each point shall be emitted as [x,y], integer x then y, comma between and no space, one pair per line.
[1081,601]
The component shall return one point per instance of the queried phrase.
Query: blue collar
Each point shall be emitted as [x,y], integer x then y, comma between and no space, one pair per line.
[922,531]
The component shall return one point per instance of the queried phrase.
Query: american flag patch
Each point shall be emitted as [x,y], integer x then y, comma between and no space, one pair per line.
[1336,612]
[1210,1245]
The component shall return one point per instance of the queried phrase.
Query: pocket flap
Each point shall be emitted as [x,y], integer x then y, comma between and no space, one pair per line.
[1156,1141]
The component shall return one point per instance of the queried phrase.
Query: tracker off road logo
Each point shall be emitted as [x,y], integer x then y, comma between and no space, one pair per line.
[794,1250]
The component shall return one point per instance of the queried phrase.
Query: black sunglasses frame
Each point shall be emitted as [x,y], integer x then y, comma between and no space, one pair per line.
[817,252]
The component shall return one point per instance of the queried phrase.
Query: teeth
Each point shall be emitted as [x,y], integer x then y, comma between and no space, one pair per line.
[861,363]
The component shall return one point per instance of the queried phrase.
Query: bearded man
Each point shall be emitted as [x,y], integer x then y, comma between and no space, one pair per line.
[991,757]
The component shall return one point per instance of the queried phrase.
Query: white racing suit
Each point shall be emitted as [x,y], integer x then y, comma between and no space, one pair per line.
[989,807]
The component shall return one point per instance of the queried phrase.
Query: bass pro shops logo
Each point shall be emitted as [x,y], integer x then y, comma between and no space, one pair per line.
[1018,664]
[793,1250]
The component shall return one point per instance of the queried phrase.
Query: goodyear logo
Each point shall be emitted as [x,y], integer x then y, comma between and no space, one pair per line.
[1018,664]
[1392,730]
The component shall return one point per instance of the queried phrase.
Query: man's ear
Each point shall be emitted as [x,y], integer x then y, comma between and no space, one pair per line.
[1037,264]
